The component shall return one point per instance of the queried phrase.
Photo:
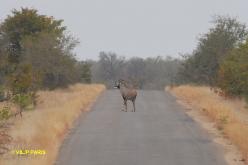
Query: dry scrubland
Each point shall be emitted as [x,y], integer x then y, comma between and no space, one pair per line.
[45,127]
[229,115]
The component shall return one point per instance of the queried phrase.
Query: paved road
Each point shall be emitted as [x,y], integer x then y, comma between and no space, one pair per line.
[158,133]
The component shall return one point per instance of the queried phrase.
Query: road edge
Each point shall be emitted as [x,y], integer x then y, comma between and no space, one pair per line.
[231,155]
[75,124]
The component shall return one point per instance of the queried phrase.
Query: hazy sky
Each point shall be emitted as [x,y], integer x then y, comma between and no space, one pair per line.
[134,27]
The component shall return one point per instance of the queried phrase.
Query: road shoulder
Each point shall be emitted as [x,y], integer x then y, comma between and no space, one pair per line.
[231,154]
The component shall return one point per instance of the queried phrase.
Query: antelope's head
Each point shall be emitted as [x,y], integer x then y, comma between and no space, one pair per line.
[119,83]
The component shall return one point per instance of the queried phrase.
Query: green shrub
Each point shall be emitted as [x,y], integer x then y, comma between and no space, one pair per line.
[23,100]
[2,96]
[233,73]
[21,80]
[5,113]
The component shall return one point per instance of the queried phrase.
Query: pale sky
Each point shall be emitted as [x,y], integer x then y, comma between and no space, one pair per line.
[134,27]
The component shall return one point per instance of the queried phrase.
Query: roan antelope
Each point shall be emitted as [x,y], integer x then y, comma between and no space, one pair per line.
[127,93]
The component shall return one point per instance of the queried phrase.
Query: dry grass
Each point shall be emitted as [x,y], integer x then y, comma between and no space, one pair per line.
[45,127]
[230,115]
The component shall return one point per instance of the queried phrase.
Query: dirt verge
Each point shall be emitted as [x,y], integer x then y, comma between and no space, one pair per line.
[37,136]
[217,117]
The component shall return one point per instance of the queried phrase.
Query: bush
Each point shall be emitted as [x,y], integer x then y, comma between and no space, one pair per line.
[2,96]
[233,73]
[23,100]
[5,113]
[21,80]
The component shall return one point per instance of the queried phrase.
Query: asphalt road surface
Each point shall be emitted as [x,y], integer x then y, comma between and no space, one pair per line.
[158,133]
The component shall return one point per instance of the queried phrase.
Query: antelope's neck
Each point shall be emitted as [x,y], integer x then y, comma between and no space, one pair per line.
[123,88]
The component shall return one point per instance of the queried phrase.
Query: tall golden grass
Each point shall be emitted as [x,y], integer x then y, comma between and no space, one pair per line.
[230,115]
[44,128]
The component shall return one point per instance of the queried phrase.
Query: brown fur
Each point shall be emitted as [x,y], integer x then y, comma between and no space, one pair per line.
[127,93]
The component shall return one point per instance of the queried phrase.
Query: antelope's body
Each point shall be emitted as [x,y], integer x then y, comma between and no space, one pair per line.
[127,93]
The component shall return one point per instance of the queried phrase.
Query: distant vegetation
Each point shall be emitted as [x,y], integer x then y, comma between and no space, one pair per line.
[149,73]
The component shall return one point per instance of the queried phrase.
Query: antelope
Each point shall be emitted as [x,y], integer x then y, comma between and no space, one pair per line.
[127,93]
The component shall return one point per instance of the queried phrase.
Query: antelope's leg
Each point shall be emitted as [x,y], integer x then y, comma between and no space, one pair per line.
[123,109]
[125,103]
[21,113]
[133,105]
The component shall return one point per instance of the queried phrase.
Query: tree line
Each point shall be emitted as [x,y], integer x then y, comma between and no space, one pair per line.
[220,61]
[148,73]
[36,52]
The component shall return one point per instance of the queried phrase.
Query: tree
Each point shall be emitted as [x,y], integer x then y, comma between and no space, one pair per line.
[38,41]
[51,64]
[108,69]
[149,73]
[3,59]
[84,71]
[22,80]
[212,48]
[160,72]
[35,53]
[135,71]
[27,22]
